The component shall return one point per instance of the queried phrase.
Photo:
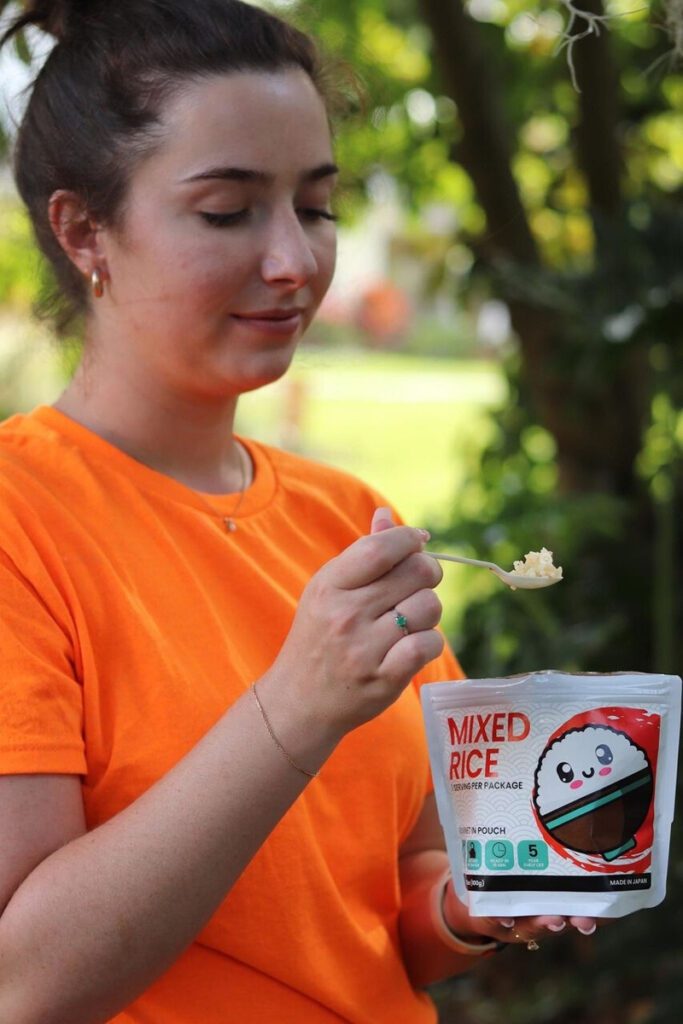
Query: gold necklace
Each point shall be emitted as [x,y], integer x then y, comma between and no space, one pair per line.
[228,521]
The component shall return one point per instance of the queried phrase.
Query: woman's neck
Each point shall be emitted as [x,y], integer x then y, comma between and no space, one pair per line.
[189,440]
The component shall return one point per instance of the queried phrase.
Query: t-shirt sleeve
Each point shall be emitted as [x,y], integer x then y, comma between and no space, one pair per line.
[41,708]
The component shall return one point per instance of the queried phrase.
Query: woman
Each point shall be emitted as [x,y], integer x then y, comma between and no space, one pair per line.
[214,780]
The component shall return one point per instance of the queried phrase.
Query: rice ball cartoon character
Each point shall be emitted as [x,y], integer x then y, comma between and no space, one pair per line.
[593,790]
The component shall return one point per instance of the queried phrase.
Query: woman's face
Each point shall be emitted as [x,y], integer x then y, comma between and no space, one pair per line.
[227,245]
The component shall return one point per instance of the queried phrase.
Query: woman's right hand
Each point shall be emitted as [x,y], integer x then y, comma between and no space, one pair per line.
[345,658]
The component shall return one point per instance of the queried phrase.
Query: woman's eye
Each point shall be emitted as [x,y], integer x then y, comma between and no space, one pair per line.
[224,220]
[312,214]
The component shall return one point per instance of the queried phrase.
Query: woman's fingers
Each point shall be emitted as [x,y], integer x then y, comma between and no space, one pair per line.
[416,614]
[364,625]
[411,615]
[523,930]
[419,613]
[372,557]
[585,925]
[382,519]
[415,573]
[411,653]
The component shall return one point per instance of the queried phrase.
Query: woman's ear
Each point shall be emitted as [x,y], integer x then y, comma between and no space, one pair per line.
[76,231]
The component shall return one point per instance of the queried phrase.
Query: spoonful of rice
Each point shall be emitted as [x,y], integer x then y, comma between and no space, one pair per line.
[535,570]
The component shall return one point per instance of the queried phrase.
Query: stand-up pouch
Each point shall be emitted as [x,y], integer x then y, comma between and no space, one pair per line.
[556,791]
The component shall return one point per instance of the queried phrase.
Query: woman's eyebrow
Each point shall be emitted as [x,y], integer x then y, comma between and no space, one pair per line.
[261,177]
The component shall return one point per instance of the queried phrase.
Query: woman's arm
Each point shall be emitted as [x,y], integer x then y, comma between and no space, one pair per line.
[98,920]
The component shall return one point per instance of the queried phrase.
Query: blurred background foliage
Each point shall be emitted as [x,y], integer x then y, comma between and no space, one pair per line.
[557,191]
[566,204]
[566,200]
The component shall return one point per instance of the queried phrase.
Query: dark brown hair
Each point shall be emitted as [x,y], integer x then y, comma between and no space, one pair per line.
[96,104]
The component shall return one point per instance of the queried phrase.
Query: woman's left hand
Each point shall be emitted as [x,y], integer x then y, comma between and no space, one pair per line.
[530,931]
[524,931]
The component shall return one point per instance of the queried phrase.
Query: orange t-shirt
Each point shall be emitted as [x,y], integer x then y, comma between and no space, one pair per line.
[130,620]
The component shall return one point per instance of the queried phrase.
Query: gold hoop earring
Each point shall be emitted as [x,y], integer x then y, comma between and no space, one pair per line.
[97,283]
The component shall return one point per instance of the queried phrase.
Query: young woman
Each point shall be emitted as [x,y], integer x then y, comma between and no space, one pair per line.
[214,785]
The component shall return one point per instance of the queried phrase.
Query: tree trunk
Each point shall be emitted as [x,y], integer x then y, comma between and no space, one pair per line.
[486,149]
[596,137]
[599,434]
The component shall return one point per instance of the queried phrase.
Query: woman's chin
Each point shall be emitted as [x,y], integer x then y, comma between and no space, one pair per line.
[234,381]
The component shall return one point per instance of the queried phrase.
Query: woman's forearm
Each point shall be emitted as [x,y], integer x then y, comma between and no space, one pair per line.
[426,956]
[98,921]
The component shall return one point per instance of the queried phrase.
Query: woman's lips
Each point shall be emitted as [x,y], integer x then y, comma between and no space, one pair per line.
[278,322]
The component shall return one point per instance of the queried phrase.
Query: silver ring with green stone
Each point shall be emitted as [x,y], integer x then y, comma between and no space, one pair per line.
[401,621]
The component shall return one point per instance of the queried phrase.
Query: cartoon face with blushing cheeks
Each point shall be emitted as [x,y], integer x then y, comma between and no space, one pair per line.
[604,757]
[593,790]
[584,761]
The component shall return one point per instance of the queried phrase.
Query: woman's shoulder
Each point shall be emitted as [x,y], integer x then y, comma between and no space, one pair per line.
[17,439]
[29,450]
[39,472]
[24,428]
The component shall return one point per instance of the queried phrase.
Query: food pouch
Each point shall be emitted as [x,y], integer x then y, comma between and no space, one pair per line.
[556,791]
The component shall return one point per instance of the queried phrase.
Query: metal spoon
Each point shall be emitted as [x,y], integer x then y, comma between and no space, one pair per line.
[513,579]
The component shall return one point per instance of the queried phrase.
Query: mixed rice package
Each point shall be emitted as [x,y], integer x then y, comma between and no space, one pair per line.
[556,791]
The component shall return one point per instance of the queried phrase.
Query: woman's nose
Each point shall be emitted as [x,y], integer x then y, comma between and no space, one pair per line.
[288,255]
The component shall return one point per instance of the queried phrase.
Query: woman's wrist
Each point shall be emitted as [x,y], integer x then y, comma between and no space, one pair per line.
[303,734]
[285,753]
[460,941]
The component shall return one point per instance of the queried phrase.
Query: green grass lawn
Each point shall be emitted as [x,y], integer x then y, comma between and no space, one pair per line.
[407,425]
